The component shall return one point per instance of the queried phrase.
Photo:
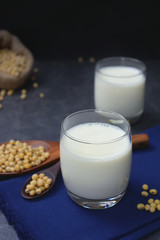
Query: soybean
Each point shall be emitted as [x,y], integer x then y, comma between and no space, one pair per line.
[140,206]
[152,209]
[147,207]
[157,201]
[145,187]
[153,191]
[144,193]
[151,200]
[35,85]
[80,59]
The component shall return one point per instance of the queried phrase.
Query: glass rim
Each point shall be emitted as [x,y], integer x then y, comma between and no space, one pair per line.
[96,111]
[121,59]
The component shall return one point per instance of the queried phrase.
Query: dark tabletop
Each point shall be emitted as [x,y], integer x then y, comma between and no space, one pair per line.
[68,87]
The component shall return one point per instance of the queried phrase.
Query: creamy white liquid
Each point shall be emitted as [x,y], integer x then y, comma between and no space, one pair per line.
[120,89]
[99,170]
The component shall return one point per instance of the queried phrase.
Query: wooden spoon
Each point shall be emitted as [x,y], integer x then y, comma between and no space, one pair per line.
[49,146]
[51,172]
[139,141]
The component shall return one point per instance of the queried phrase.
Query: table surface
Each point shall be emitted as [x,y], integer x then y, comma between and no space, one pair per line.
[68,87]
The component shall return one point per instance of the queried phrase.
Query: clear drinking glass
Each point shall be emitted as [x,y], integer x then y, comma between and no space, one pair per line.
[95,156]
[120,86]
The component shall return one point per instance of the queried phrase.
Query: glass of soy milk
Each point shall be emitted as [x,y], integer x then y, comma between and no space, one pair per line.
[95,156]
[119,86]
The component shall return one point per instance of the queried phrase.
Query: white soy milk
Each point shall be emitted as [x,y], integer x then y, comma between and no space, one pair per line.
[95,170]
[120,89]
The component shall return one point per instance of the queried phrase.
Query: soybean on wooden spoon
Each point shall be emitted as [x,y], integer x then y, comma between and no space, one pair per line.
[49,146]
[51,172]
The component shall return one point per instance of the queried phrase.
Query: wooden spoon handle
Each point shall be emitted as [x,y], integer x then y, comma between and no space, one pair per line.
[140,141]
[54,169]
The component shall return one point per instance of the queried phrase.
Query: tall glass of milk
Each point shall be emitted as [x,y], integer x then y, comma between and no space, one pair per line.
[95,156]
[120,86]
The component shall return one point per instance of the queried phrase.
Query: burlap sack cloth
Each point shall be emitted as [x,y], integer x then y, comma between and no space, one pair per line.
[12,42]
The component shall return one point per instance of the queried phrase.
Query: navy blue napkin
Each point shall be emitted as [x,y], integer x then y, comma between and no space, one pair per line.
[55,216]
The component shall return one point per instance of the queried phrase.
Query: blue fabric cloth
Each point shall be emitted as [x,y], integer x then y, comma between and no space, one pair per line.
[55,216]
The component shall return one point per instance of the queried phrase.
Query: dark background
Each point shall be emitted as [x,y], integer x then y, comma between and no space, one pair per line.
[66,29]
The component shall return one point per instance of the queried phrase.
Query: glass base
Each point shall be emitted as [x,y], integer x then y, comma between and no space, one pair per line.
[96,204]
